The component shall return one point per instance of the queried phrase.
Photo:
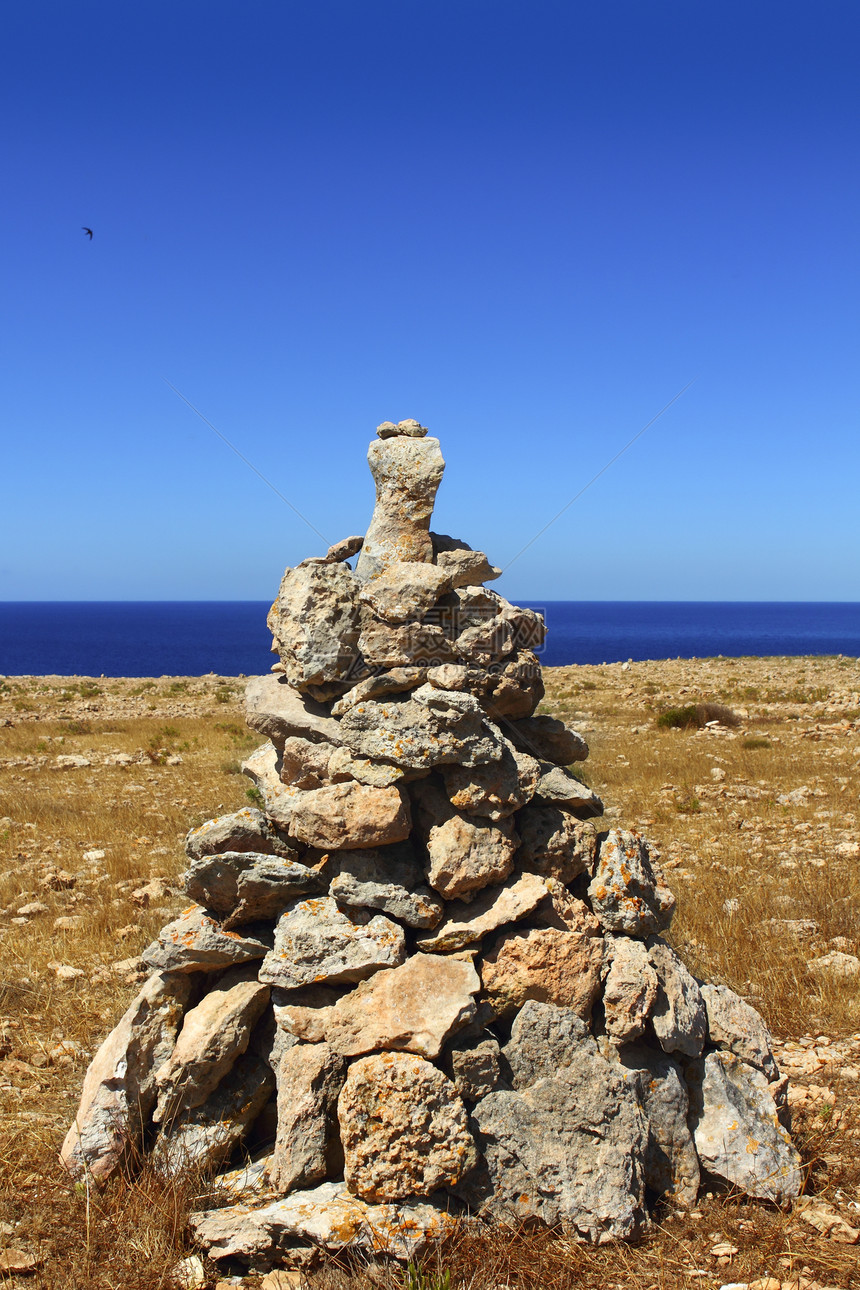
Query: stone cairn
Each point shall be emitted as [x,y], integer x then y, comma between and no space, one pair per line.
[421,982]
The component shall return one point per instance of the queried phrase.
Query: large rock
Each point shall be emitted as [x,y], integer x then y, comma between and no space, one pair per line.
[213,1036]
[465,567]
[736,1130]
[403,1127]
[566,1149]
[544,1040]
[326,1216]
[464,853]
[734,1024]
[206,1135]
[514,692]
[389,880]
[119,1090]
[494,790]
[630,988]
[196,942]
[407,473]
[671,1163]
[406,645]
[558,787]
[678,1015]
[307,1148]
[545,964]
[414,1008]
[397,681]
[245,886]
[548,739]
[406,589]
[428,729]
[466,923]
[277,711]
[304,764]
[317,942]
[625,893]
[244,830]
[315,626]
[554,842]
[350,816]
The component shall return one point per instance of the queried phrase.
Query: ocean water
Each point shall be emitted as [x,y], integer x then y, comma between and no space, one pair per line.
[189,638]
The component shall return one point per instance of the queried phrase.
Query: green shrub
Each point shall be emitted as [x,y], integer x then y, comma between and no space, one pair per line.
[757,742]
[698,715]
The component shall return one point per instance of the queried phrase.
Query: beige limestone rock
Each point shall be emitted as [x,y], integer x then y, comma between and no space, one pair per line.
[406,589]
[474,1067]
[304,764]
[464,853]
[630,988]
[544,964]
[119,1089]
[496,789]
[344,766]
[196,942]
[413,1008]
[345,549]
[244,886]
[278,711]
[678,1015]
[326,1216]
[243,830]
[409,644]
[315,625]
[396,681]
[467,568]
[307,1147]
[558,787]
[213,1036]
[264,768]
[516,691]
[404,1129]
[465,924]
[318,943]
[422,731]
[734,1024]
[350,816]
[407,473]
[625,893]
[389,880]
[554,842]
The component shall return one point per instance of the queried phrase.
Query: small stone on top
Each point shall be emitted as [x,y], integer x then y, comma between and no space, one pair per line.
[410,427]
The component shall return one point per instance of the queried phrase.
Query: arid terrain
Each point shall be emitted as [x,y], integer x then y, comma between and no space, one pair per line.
[755,808]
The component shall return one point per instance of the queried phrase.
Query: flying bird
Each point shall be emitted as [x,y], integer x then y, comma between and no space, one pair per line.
[88,231]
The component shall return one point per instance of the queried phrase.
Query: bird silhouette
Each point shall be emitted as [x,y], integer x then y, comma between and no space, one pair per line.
[88,231]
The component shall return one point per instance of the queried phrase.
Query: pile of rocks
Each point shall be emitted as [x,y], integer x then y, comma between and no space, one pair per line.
[421,982]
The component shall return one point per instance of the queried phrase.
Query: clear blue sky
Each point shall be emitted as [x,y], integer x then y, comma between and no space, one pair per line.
[528,223]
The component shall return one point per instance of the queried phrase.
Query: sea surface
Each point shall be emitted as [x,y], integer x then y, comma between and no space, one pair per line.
[190,638]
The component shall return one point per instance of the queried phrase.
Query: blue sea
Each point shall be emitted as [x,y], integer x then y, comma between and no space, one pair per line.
[189,638]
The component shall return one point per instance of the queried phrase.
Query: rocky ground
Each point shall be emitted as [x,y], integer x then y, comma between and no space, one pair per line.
[755,809]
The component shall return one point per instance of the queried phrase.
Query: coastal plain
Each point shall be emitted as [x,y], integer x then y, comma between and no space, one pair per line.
[745,773]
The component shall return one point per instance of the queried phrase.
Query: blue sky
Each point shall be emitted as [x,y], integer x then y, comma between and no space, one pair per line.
[528,223]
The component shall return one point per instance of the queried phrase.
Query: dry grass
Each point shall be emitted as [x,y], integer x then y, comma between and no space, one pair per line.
[735,856]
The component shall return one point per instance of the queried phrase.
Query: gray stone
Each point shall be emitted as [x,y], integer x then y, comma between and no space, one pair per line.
[406,589]
[514,692]
[350,816]
[315,625]
[496,789]
[307,1147]
[119,1089]
[473,1065]
[465,924]
[326,1216]
[545,1039]
[678,1015]
[403,1127]
[244,886]
[398,680]
[566,1150]
[464,853]
[629,990]
[206,1135]
[389,880]
[244,830]
[736,1130]
[214,1035]
[316,942]
[671,1163]
[548,739]
[407,473]
[558,787]
[414,1008]
[277,711]
[196,942]
[625,893]
[421,731]
[554,842]
[735,1025]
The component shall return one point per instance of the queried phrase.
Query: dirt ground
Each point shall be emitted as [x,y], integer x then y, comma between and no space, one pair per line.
[754,806]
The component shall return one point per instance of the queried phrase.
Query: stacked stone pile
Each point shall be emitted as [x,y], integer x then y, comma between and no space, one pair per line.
[422,981]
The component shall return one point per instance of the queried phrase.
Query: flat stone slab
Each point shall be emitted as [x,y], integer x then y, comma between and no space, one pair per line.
[465,924]
[278,711]
[245,886]
[243,830]
[307,1148]
[389,879]
[678,1015]
[205,1136]
[734,1024]
[327,1216]
[197,942]
[428,729]
[318,943]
